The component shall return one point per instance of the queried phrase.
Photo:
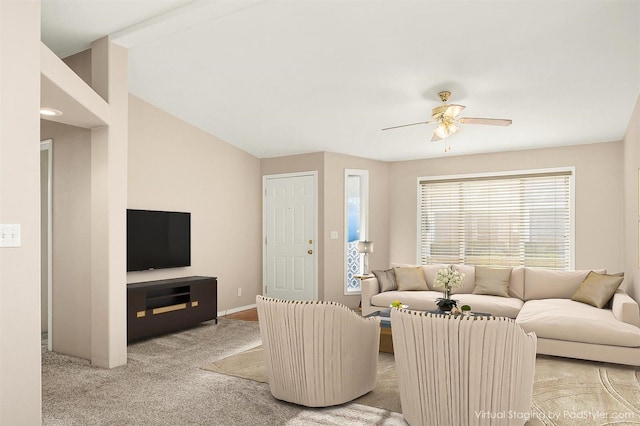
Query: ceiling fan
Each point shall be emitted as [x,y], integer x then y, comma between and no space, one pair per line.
[446,117]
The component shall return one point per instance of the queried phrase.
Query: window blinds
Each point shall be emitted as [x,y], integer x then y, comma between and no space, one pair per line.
[517,220]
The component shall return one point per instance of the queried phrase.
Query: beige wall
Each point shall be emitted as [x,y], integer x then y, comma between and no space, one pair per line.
[175,166]
[334,220]
[80,63]
[631,208]
[71,208]
[598,194]
[20,364]
[331,209]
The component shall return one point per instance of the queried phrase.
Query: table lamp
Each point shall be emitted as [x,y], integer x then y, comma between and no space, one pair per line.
[365,247]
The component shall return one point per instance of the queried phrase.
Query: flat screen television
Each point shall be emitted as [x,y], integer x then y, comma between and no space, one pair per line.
[158,239]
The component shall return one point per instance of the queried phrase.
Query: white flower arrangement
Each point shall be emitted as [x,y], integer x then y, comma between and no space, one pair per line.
[448,278]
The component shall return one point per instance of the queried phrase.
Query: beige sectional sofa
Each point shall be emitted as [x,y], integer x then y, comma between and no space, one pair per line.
[540,301]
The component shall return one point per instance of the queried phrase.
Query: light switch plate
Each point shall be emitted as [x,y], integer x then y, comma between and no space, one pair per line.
[334,235]
[10,235]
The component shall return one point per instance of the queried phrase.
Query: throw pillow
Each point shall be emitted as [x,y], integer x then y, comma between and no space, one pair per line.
[386,280]
[598,289]
[410,279]
[492,281]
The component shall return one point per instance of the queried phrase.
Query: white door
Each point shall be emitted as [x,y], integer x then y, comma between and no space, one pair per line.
[290,224]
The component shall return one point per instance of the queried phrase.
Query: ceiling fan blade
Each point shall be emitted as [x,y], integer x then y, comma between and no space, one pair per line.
[489,121]
[453,110]
[407,125]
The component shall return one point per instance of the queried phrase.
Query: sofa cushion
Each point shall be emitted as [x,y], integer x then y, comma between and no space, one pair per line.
[492,281]
[598,289]
[516,285]
[495,305]
[552,284]
[386,279]
[430,272]
[469,280]
[410,279]
[418,300]
[564,319]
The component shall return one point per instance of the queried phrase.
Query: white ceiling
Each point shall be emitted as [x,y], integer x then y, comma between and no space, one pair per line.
[282,77]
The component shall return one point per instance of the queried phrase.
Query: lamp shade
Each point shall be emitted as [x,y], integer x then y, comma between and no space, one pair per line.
[446,129]
[365,246]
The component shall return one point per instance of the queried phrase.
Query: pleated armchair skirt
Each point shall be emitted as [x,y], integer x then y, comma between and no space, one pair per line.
[459,370]
[317,354]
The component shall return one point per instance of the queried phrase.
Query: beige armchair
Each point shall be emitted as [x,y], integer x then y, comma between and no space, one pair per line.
[317,353]
[463,370]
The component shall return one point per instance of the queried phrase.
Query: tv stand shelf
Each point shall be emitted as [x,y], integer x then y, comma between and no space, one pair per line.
[158,307]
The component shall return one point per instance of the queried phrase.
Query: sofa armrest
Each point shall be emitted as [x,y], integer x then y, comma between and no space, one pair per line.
[625,309]
[369,287]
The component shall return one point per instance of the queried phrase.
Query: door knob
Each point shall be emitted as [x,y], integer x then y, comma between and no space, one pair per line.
[310,251]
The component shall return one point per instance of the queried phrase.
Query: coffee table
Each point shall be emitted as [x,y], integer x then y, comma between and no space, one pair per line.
[473,314]
[386,337]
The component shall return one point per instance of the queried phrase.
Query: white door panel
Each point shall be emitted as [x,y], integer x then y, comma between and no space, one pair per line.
[290,237]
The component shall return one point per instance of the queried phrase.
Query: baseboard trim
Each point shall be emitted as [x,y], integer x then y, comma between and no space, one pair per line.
[234,310]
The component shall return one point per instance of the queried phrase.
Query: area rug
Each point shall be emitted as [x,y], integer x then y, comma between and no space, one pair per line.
[566,391]
[250,365]
[570,392]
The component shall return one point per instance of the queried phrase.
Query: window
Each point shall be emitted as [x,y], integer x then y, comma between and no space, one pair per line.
[523,219]
[356,216]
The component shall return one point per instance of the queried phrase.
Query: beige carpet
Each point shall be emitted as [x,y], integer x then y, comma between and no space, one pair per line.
[163,385]
[566,392]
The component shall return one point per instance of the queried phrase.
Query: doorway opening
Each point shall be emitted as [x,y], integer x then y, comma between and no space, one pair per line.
[46,240]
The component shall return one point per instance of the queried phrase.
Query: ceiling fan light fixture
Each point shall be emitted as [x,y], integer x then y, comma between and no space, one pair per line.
[445,130]
[453,110]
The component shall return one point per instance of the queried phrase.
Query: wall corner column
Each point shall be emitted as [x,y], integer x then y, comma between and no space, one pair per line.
[108,208]
[20,338]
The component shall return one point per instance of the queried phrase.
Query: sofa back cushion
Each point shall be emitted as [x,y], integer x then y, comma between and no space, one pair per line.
[516,284]
[469,280]
[430,272]
[552,284]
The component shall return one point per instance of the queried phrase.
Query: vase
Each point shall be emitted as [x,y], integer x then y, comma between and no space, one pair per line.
[446,303]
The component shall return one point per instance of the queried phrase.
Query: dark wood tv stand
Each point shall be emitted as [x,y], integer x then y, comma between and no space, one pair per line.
[158,307]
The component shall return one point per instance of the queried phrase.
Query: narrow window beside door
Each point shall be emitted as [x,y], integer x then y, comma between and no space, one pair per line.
[356,216]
